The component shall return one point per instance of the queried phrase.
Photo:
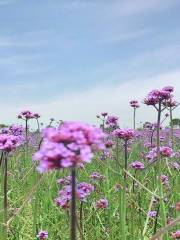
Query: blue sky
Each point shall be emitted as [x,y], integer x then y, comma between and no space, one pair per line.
[73,58]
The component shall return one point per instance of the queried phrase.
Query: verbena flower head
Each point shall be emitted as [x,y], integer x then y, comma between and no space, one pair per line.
[166,151]
[83,190]
[71,144]
[97,176]
[64,181]
[174,165]
[125,134]
[109,143]
[164,179]
[176,235]
[16,130]
[152,214]
[168,89]
[170,103]
[26,114]
[156,96]
[112,121]
[8,142]
[36,115]
[178,206]
[134,104]
[101,204]
[104,114]
[137,165]
[42,235]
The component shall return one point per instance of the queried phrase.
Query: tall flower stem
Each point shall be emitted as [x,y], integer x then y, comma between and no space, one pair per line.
[26,132]
[5,202]
[38,125]
[171,125]
[123,195]
[117,152]
[73,204]
[162,206]
[152,138]
[81,216]
[1,158]
[125,158]
[134,118]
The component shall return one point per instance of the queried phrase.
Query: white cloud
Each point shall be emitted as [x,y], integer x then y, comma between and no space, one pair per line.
[85,105]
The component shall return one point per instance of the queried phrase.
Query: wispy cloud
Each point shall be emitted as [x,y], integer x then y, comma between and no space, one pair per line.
[85,105]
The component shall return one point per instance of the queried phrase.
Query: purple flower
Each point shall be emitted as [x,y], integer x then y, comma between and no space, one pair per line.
[166,151]
[64,181]
[104,114]
[109,143]
[156,96]
[176,235]
[42,235]
[73,143]
[8,142]
[125,134]
[170,103]
[16,130]
[83,190]
[134,104]
[36,115]
[168,89]
[137,165]
[26,114]
[164,179]
[175,165]
[152,214]
[97,176]
[112,121]
[101,204]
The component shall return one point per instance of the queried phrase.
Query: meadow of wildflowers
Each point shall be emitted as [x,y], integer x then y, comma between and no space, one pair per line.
[78,181]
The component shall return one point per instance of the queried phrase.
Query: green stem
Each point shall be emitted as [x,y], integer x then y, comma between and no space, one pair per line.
[172,129]
[73,204]
[134,119]
[159,183]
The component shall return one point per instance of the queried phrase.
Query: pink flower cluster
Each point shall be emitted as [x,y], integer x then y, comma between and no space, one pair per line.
[73,143]
[170,103]
[104,114]
[137,165]
[97,176]
[82,192]
[8,142]
[134,104]
[152,214]
[164,179]
[101,204]
[125,134]
[26,114]
[112,121]
[176,235]
[42,235]
[164,152]
[64,181]
[158,95]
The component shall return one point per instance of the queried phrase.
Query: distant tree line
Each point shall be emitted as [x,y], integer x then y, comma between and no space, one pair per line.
[3,125]
[176,122]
